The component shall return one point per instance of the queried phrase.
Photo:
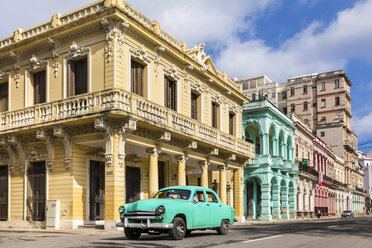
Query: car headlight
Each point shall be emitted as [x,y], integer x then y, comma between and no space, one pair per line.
[160,210]
[121,209]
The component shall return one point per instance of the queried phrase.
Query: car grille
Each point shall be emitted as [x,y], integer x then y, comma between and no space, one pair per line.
[140,213]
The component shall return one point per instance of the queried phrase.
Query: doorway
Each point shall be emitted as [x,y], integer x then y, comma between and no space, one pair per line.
[133,184]
[97,190]
[253,199]
[3,193]
[36,192]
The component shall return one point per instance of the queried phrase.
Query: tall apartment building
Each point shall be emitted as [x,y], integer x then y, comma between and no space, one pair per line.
[101,106]
[322,100]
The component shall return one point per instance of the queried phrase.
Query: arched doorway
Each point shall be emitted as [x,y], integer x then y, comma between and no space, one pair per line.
[253,209]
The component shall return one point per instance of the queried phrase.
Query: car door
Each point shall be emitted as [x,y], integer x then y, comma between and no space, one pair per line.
[201,211]
[216,208]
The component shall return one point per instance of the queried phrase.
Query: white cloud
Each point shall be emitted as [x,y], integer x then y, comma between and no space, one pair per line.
[362,125]
[210,21]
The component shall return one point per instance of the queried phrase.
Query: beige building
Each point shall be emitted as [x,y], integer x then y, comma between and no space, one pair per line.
[99,107]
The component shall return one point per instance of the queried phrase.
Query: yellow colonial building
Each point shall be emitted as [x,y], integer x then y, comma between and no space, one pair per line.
[99,107]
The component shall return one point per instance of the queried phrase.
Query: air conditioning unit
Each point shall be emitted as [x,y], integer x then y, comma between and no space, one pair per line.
[53,209]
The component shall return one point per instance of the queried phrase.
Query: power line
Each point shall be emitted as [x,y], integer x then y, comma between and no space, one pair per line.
[365,143]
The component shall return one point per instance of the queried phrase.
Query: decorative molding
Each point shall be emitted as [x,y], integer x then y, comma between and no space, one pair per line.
[141,54]
[96,153]
[41,134]
[153,151]
[76,50]
[218,98]
[198,54]
[36,154]
[106,127]
[56,44]
[17,76]
[115,31]
[171,71]
[159,50]
[64,134]
[204,164]
[36,63]
[20,147]
[198,86]
[3,75]
[4,158]
[181,158]
[126,127]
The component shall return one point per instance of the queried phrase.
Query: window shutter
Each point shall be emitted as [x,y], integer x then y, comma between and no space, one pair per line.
[3,97]
[70,79]
[166,93]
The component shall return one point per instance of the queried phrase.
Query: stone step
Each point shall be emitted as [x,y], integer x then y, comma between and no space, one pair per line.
[91,226]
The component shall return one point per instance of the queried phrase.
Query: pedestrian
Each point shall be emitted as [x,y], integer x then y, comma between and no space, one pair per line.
[318,213]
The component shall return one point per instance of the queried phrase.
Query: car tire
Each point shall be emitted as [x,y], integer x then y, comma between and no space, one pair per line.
[223,229]
[178,230]
[132,234]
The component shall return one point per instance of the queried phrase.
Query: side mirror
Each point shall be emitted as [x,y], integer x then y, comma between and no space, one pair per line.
[195,199]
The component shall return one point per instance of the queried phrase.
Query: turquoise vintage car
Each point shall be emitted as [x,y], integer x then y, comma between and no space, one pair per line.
[177,210]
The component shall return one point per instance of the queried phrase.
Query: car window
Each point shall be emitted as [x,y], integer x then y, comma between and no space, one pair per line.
[174,194]
[211,197]
[200,195]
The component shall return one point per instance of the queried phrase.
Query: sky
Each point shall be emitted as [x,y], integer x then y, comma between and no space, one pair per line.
[245,38]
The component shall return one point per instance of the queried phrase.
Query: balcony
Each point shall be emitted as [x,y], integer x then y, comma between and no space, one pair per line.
[348,145]
[359,190]
[348,111]
[120,102]
[308,170]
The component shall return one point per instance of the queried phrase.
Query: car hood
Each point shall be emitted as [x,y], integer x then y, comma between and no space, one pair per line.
[152,204]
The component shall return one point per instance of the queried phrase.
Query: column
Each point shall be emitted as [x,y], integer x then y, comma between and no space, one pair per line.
[153,171]
[284,150]
[275,147]
[255,214]
[292,206]
[223,183]
[276,203]
[181,177]
[265,201]
[238,194]
[204,176]
[264,143]
[285,207]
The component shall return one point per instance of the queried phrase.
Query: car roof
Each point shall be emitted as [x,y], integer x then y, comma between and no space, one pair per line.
[187,188]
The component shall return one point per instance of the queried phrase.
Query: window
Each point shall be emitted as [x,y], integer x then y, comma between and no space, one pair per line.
[214,115]
[337,83]
[273,94]
[194,105]
[305,89]
[253,96]
[292,91]
[4,97]
[337,100]
[137,78]
[285,111]
[314,104]
[39,83]
[306,121]
[293,107]
[231,123]
[323,120]
[323,101]
[322,134]
[200,195]
[284,95]
[77,77]
[322,86]
[305,106]
[170,94]
[314,87]
[245,85]
[211,197]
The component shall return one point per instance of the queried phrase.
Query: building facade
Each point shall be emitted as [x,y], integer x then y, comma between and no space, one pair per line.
[365,160]
[270,180]
[100,106]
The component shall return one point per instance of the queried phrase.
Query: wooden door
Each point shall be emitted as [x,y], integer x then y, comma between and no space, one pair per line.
[133,184]
[3,193]
[97,190]
[36,191]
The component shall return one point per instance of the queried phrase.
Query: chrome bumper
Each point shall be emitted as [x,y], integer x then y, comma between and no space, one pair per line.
[148,224]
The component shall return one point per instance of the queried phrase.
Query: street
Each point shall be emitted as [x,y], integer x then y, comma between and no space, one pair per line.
[356,232]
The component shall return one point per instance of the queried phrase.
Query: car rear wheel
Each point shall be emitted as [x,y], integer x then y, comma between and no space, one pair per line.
[178,230]
[132,233]
[223,229]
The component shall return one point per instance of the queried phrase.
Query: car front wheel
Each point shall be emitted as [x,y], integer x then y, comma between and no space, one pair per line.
[132,234]
[178,230]
[223,229]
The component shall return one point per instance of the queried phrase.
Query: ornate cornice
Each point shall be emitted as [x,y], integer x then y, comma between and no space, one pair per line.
[36,63]
[76,51]
[141,54]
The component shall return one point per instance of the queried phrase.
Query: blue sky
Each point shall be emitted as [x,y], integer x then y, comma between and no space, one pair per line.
[279,38]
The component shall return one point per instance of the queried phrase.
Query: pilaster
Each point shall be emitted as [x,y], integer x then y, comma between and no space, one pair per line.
[153,170]
[181,178]
[265,201]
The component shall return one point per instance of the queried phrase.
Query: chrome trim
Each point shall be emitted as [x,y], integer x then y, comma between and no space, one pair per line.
[148,224]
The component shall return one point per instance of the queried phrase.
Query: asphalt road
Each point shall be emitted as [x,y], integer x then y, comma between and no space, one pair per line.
[338,233]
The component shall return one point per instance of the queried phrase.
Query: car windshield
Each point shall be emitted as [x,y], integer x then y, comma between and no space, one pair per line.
[347,211]
[174,194]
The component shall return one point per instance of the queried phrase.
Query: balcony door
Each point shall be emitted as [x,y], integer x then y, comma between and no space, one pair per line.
[3,193]
[36,191]
[97,190]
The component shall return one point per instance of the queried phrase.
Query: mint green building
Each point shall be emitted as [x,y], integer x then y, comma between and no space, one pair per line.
[270,180]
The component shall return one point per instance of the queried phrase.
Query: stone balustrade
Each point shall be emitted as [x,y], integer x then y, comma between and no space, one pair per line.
[120,100]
